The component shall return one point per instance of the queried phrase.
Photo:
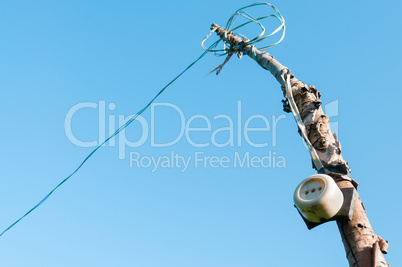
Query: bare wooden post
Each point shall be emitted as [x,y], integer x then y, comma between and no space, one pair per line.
[363,248]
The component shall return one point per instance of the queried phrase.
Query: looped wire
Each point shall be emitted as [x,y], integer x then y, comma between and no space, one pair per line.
[227,48]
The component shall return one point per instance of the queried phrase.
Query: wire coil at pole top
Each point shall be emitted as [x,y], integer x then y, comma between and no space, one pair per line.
[243,12]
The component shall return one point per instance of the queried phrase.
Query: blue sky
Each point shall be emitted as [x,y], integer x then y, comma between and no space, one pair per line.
[57,56]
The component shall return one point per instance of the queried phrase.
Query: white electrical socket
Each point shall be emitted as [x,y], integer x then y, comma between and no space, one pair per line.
[318,198]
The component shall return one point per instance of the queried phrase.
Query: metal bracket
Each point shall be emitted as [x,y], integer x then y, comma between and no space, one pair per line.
[345,213]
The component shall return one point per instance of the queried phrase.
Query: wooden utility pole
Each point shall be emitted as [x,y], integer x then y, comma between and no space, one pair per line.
[363,247]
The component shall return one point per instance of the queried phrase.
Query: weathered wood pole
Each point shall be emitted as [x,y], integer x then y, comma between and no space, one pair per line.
[363,247]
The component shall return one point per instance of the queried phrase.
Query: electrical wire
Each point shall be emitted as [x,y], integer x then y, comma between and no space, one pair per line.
[212,48]
[296,114]
[104,142]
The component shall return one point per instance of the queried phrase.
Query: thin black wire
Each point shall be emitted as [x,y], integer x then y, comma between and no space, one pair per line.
[347,241]
[104,142]
[211,48]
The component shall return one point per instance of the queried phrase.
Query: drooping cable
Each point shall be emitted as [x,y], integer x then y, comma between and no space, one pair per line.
[212,48]
[104,142]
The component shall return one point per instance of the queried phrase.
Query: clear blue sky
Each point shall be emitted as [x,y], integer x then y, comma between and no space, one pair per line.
[117,54]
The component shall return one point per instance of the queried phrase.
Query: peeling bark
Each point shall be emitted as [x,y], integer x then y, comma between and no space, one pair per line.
[363,248]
